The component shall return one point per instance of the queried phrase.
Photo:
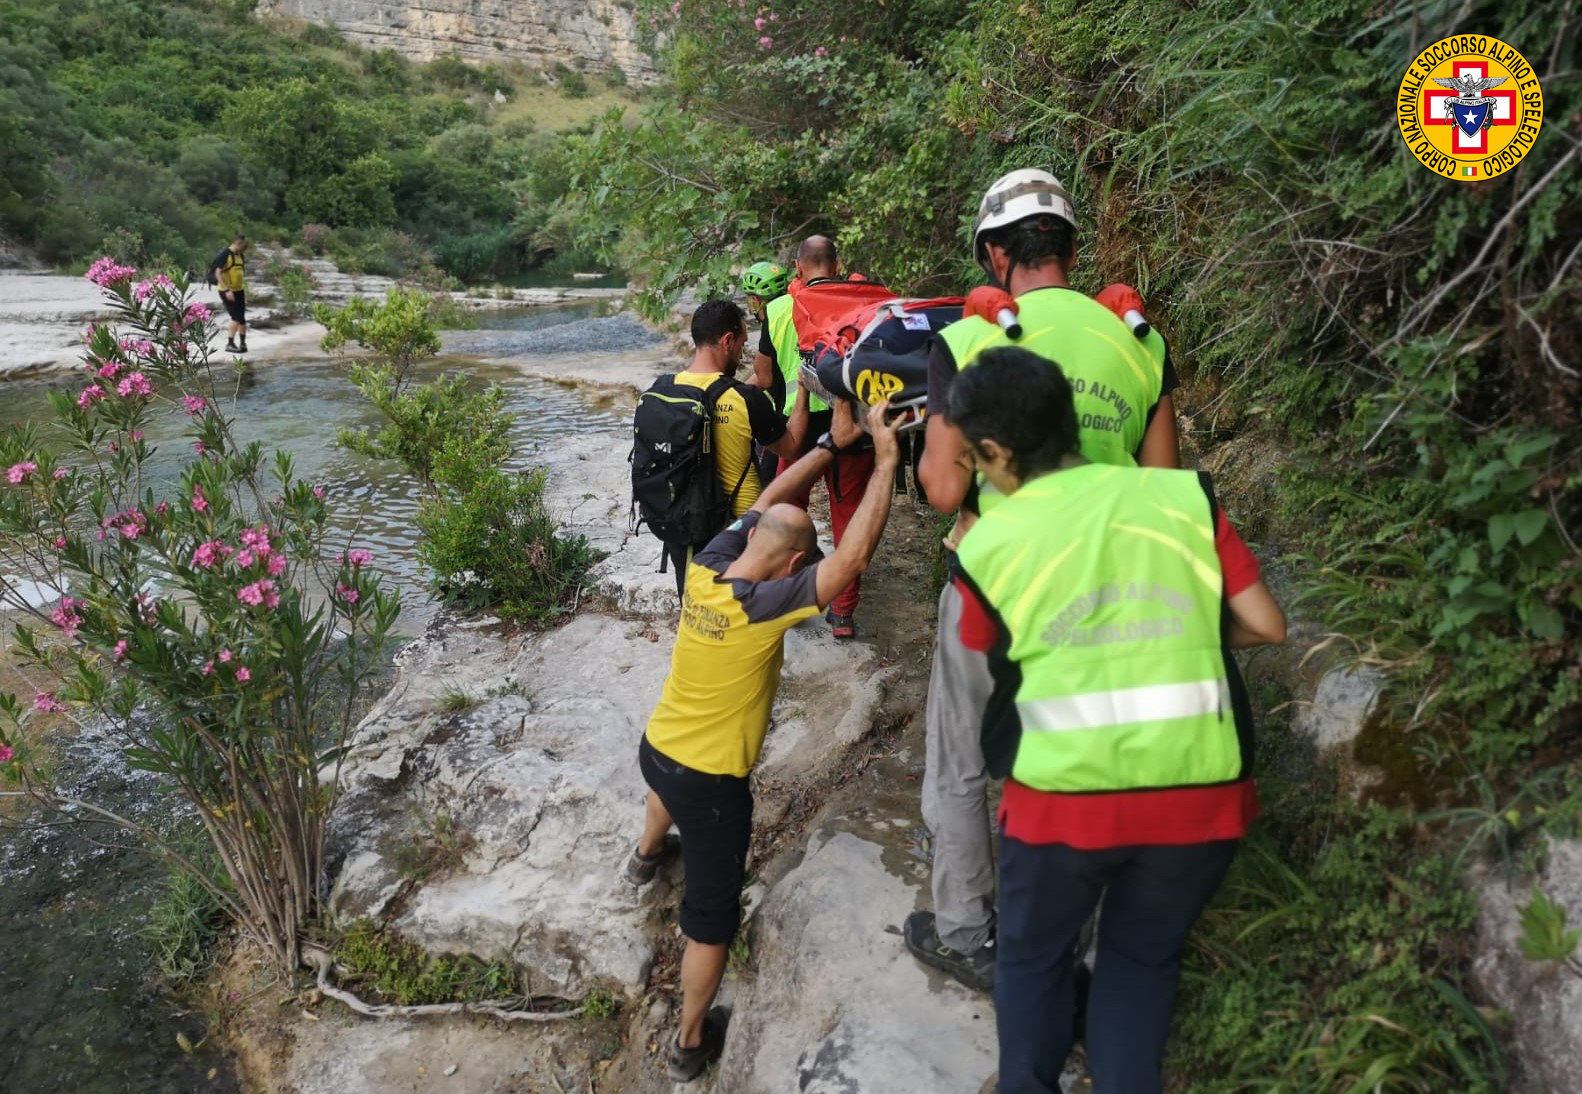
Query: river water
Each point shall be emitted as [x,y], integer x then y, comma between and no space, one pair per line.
[79,1009]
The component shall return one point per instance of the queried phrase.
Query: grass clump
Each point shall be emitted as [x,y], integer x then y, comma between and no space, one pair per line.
[381,964]
[184,922]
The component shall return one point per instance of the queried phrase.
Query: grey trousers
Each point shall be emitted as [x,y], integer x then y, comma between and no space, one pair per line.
[956,785]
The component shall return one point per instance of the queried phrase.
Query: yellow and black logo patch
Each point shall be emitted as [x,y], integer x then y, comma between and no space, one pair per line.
[1469,107]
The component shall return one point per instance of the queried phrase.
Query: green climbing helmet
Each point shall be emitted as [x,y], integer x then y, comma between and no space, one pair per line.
[766,279]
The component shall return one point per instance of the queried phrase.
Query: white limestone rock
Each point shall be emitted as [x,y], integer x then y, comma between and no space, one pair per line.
[1544,1000]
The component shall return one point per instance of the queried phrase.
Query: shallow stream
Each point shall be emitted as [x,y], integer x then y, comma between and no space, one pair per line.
[80,1010]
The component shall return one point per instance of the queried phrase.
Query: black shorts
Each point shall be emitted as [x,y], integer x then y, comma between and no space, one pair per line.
[235,306]
[714,815]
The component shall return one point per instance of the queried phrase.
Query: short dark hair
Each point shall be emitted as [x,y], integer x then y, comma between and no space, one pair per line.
[1034,240]
[714,319]
[1019,400]
[239,239]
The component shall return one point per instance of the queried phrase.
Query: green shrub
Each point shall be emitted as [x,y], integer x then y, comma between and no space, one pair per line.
[420,419]
[489,541]
[397,330]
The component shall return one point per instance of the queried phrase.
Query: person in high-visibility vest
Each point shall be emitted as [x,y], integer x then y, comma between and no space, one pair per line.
[1024,239]
[1107,600]
[776,366]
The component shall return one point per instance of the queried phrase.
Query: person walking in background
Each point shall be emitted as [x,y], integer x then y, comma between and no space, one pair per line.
[745,589]
[228,273]
[1108,600]
[1024,238]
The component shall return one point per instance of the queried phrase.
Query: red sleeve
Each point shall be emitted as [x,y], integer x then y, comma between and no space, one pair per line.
[978,631]
[1239,565]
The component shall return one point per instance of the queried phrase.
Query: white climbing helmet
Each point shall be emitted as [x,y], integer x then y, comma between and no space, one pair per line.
[1023,193]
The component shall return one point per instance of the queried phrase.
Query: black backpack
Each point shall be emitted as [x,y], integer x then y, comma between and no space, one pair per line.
[213,274]
[675,489]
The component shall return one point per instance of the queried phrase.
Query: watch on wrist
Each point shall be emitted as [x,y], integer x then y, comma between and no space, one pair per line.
[827,443]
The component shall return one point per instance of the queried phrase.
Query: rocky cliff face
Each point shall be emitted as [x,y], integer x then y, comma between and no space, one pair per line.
[600,33]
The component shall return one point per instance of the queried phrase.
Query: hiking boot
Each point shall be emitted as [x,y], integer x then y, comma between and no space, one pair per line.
[640,869]
[686,1064]
[242,346]
[230,346]
[975,970]
[842,626]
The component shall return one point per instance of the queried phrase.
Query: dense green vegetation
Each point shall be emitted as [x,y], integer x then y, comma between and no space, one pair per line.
[153,130]
[1381,365]
[488,540]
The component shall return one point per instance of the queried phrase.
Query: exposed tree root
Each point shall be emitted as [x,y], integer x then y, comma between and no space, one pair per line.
[321,962]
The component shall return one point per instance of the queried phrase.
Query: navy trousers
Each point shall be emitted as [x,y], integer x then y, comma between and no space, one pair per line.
[1152,895]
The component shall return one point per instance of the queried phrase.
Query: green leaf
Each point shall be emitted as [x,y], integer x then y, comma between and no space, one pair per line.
[1530,524]
[1501,528]
[1544,622]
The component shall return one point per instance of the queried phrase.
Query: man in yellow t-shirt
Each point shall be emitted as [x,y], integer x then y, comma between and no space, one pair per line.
[229,273]
[753,582]
[742,414]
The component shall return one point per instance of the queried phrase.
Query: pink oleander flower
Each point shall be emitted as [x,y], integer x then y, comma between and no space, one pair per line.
[257,539]
[142,291]
[257,593]
[65,616]
[277,564]
[359,557]
[90,395]
[107,272]
[766,42]
[774,17]
[162,508]
[318,492]
[821,51]
[207,554]
[208,667]
[135,384]
[6,754]
[110,370]
[199,447]
[164,282]
[197,313]
[18,472]
[758,23]
[346,592]
[200,503]
[120,650]
[43,700]
[244,558]
[194,403]
[243,674]
[225,655]
[137,435]
[60,543]
[60,473]
[130,530]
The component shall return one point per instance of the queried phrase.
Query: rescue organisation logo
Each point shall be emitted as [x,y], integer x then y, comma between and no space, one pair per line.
[1469,107]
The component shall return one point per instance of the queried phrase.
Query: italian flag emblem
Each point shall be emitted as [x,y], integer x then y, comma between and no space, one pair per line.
[1469,169]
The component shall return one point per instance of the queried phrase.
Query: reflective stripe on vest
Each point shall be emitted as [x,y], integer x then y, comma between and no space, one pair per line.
[1115,378]
[1108,584]
[788,355]
[1126,706]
